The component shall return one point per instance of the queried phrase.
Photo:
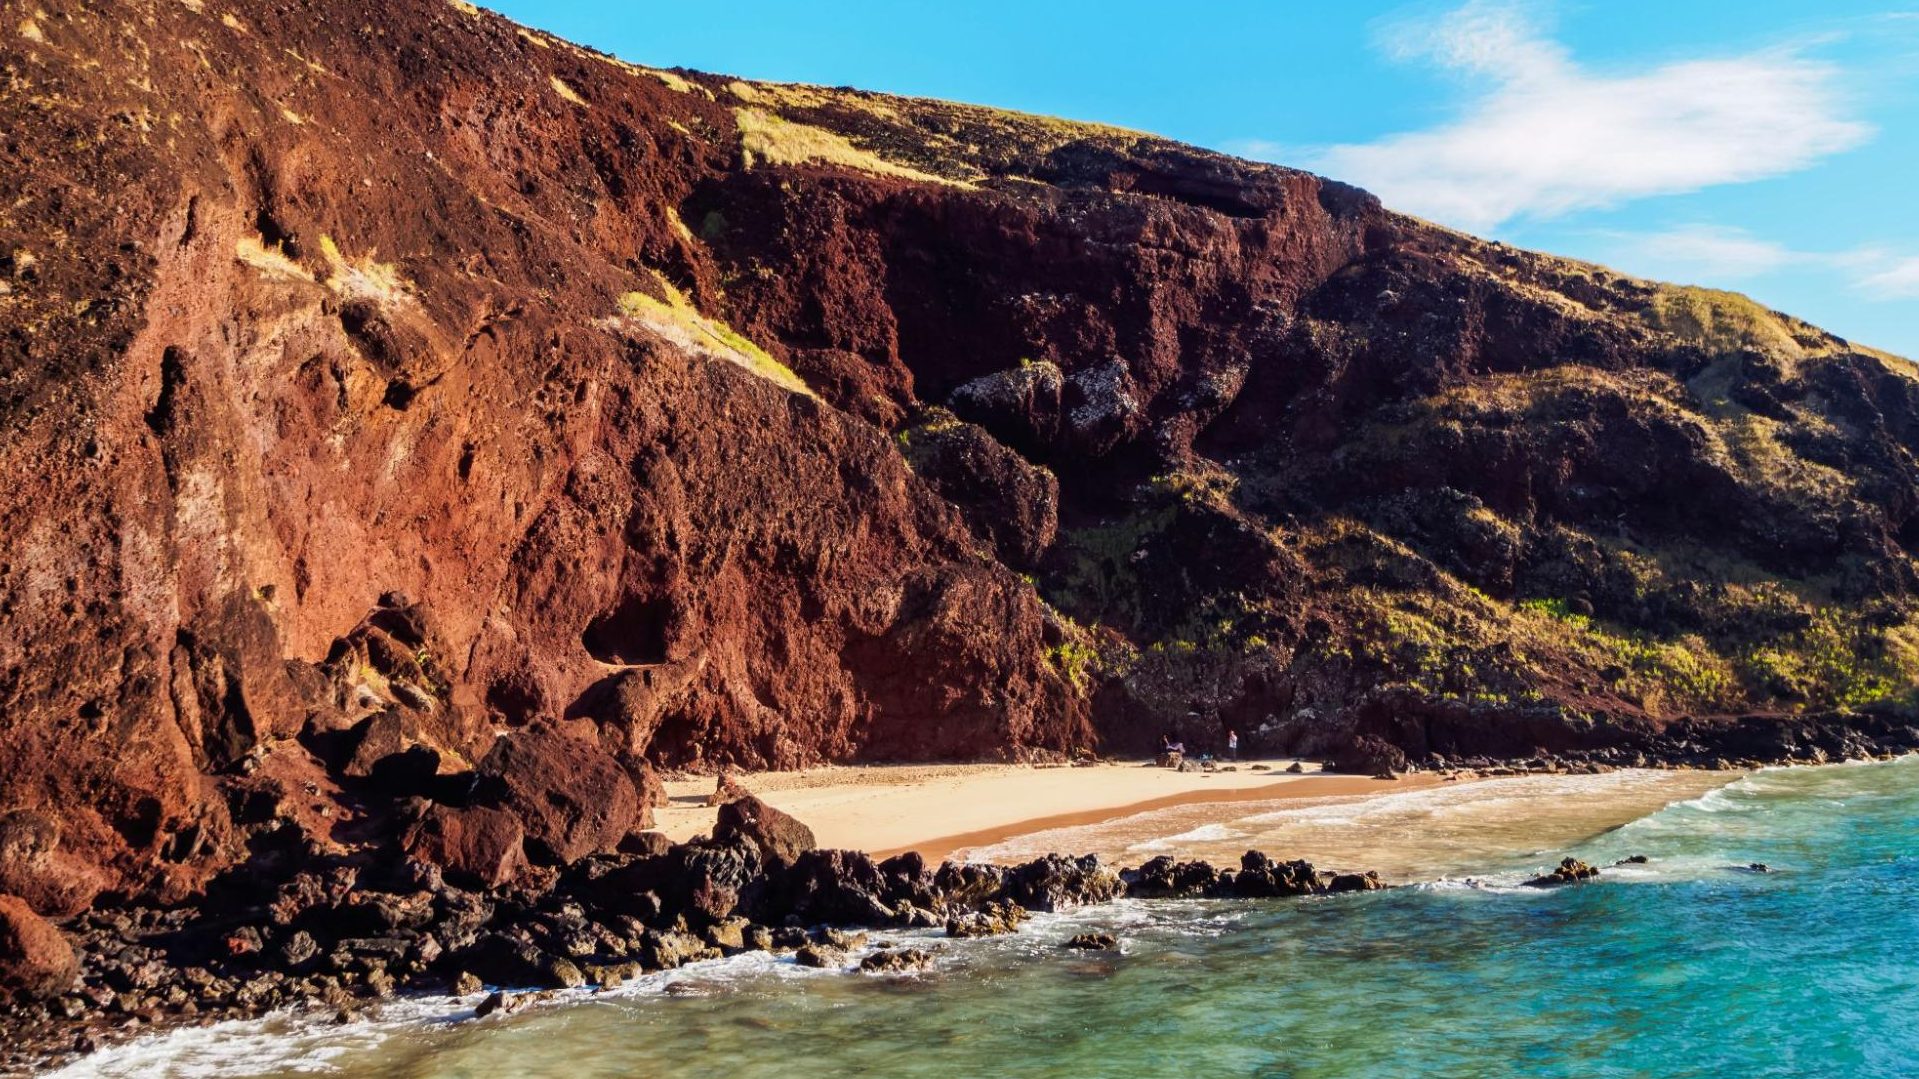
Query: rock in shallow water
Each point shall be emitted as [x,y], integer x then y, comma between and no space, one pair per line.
[1055,883]
[992,919]
[896,962]
[1569,871]
[820,955]
[1164,878]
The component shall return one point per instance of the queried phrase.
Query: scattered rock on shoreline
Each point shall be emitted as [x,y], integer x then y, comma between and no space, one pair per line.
[820,955]
[451,905]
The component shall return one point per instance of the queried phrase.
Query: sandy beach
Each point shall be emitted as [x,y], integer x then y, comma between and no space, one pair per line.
[1417,827]
[945,810]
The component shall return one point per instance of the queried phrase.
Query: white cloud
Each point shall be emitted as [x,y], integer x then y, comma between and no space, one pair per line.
[1545,136]
[1708,254]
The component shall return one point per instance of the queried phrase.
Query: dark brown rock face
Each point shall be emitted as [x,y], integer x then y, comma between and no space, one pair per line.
[1004,497]
[572,798]
[478,846]
[387,360]
[35,960]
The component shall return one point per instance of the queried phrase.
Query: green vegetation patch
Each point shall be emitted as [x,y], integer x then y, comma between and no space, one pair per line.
[676,319]
[765,136]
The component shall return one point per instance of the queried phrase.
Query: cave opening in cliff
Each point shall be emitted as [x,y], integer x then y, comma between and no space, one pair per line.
[633,632]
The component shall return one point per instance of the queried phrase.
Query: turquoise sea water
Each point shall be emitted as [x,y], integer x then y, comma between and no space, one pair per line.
[1691,965]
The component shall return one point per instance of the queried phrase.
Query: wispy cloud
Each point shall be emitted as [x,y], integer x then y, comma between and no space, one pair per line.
[1543,135]
[1898,280]
[1710,252]
[1716,254]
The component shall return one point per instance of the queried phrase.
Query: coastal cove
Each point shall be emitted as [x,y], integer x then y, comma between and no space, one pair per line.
[523,557]
[1625,975]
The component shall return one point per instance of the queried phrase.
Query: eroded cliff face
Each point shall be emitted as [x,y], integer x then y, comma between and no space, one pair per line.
[392,360]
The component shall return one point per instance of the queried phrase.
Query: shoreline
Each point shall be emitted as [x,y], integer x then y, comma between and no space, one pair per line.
[1075,939]
[612,918]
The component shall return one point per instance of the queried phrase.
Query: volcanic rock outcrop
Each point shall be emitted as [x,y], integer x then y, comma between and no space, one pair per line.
[387,388]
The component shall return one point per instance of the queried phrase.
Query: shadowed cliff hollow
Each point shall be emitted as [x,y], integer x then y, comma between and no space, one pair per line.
[390,361]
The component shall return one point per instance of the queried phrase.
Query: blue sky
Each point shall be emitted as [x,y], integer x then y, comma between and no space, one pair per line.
[1766,146]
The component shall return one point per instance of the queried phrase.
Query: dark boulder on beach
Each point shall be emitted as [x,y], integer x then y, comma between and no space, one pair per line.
[780,837]
[968,884]
[35,959]
[713,880]
[990,919]
[1368,755]
[509,959]
[1355,882]
[820,955]
[669,949]
[1258,877]
[909,881]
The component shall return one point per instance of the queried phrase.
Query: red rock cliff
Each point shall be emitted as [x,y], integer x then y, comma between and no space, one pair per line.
[390,359]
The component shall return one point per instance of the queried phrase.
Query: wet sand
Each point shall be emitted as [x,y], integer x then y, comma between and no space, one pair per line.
[1467,828]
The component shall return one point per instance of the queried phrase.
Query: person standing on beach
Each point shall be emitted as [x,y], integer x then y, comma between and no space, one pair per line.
[1232,744]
